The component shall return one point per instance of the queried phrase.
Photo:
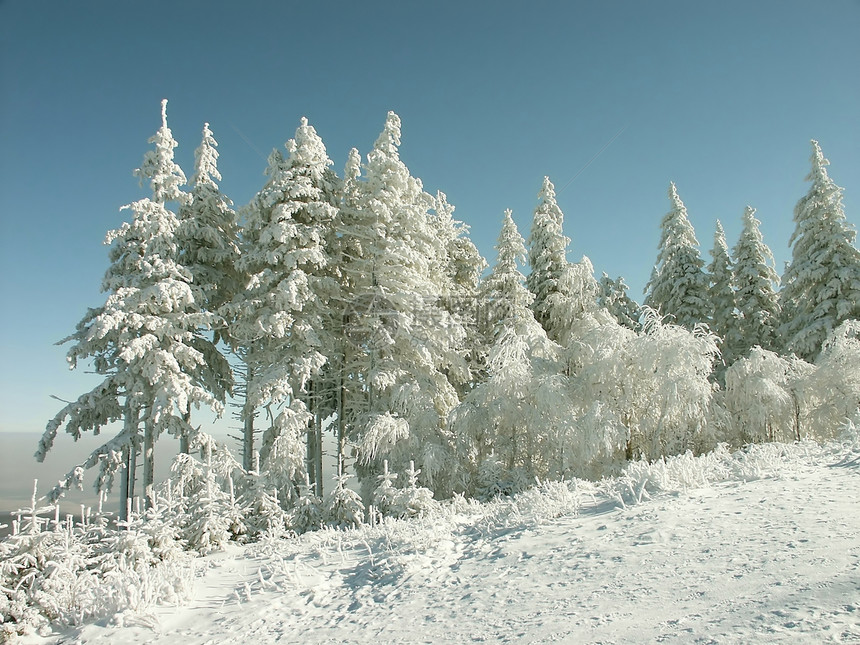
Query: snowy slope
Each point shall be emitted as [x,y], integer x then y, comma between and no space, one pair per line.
[757,547]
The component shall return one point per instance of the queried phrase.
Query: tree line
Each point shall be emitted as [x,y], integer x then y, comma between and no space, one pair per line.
[357,305]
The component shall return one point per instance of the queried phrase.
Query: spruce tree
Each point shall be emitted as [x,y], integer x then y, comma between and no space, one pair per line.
[547,252]
[207,241]
[755,292]
[821,285]
[511,418]
[503,293]
[722,294]
[678,287]
[145,341]
[209,230]
[457,285]
[614,298]
[279,319]
[402,341]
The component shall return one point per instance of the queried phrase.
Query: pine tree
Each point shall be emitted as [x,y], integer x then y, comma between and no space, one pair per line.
[575,308]
[516,415]
[503,293]
[821,285]
[343,507]
[614,298]
[755,293]
[722,294]
[402,342]
[208,231]
[207,241]
[458,281]
[547,253]
[678,286]
[280,319]
[145,340]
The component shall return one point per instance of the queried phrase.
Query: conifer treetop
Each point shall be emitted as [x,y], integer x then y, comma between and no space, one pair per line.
[678,285]
[389,139]
[505,288]
[511,247]
[547,191]
[722,293]
[164,175]
[308,149]
[352,168]
[547,252]
[206,160]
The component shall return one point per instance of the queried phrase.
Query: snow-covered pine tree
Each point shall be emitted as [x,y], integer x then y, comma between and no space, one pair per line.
[402,341]
[503,292]
[678,286]
[281,317]
[755,292]
[208,230]
[343,507]
[821,284]
[722,294]
[207,241]
[547,253]
[458,287]
[308,513]
[574,308]
[145,340]
[614,298]
[518,415]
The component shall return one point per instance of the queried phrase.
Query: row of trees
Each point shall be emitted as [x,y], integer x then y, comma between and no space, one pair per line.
[738,294]
[357,306]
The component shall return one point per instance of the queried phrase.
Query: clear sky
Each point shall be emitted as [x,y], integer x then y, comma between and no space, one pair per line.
[720,97]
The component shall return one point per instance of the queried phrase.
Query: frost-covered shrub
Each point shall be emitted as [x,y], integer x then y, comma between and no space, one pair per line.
[493,480]
[413,499]
[263,510]
[206,513]
[833,388]
[652,387]
[307,514]
[344,508]
[489,479]
[385,498]
[764,397]
[61,573]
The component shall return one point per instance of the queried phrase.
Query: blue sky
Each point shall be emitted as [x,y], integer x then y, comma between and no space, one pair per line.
[721,98]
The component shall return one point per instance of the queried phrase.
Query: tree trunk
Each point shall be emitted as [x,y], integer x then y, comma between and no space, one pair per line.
[248,415]
[184,439]
[248,438]
[132,467]
[341,425]
[129,460]
[796,415]
[148,462]
[310,457]
[123,486]
[319,453]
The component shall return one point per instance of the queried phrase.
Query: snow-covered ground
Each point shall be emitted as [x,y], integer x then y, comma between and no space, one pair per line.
[756,548]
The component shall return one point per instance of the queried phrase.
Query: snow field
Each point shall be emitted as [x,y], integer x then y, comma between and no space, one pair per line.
[759,546]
